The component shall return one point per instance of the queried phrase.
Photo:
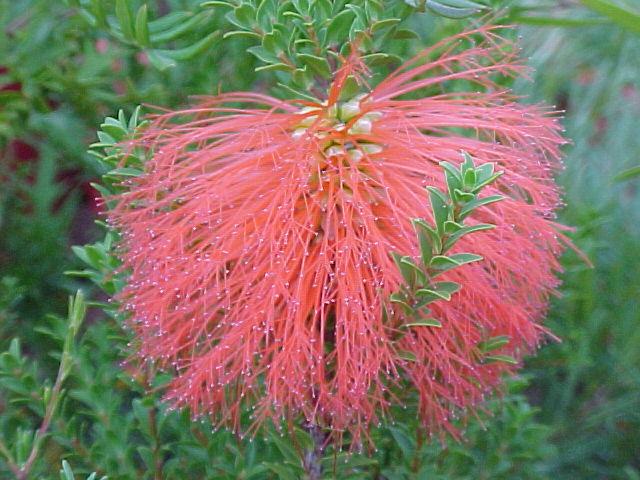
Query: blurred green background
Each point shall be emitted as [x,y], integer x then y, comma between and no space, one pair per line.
[574,413]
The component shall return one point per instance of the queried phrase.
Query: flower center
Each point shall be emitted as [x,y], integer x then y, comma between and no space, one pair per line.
[343,128]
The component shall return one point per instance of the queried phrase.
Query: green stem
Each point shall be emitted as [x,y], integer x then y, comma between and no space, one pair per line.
[77,310]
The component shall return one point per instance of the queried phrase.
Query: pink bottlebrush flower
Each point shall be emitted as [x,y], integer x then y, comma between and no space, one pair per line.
[259,238]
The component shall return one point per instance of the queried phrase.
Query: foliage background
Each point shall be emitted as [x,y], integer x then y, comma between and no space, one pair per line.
[573,413]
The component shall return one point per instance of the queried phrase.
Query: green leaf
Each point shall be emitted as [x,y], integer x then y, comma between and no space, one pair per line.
[463,4]
[624,17]
[404,441]
[627,174]
[245,14]
[263,54]
[424,322]
[169,21]
[439,207]
[465,231]
[461,196]
[448,288]
[480,185]
[297,93]
[451,227]
[442,262]
[453,178]
[479,202]
[376,59]
[386,23]
[142,26]
[66,473]
[338,29]
[469,180]
[464,258]
[484,171]
[273,67]
[216,3]
[241,33]
[407,356]
[194,50]
[408,263]
[317,64]
[499,358]
[402,301]
[176,31]
[493,343]
[426,247]
[405,34]
[125,172]
[125,18]
[450,12]
[160,60]
[405,267]
[442,290]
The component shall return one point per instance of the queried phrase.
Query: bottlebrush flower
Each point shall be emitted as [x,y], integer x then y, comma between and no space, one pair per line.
[259,238]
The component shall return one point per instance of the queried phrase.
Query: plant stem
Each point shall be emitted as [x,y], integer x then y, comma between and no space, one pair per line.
[313,458]
[77,310]
[13,466]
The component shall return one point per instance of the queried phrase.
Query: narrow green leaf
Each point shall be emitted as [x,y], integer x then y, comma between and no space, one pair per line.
[463,4]
[479,202]
[461,196]
[464,258]
[627,174]
[424,322]
[66,471]
[376,59]
[624,17]
[428,293]
[338,29]
[401,300]
[480,185]
[439,207]
[169,21]
[297,93]
[493,343]
[241,33]
[442,262]
[405,34]
[499,358]
[465,231]
[194,50]
[142,26]
[484,171]
[410,265]
[177,31]
[160,60]
[386,23]
[216,3]
[125,172]
[407,356]
[446,287]
[125,18]
[273,67]
[406,267]
[451,227]
[317,64]
[421,225]
[245,15]
[426,247]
